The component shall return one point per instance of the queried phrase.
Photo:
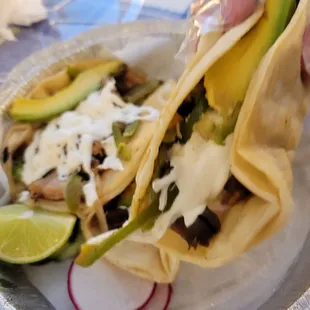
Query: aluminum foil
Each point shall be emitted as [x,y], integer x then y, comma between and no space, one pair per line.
[245,283]
[16,292]
[205,17]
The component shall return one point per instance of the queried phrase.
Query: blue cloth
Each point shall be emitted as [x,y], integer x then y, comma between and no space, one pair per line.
[68,18]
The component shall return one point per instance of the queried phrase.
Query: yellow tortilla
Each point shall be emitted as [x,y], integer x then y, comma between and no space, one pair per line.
[215,48]
[144,260]
[112,183]
[16,136]
[276,103]
[266,135]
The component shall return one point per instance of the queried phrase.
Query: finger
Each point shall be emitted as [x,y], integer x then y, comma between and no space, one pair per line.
[306,52]
[236,11]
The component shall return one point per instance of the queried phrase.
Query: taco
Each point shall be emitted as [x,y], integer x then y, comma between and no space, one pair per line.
[216,179]
[76,144]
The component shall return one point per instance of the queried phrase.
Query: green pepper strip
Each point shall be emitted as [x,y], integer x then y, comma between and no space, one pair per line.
[173,192]
[125,198]
[17,169]
[91,252]
[209,130]
[131,129]
[122,149]
[228,127]
[74,192]
[141,91]
[186,127]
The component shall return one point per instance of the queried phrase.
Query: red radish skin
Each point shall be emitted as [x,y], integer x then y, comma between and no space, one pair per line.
[161,298]
[170,292]
[69,286]
[236,11]
[142,307]
[104,284]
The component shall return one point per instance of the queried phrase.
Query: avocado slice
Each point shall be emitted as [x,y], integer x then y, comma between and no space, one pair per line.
[34,110]
[227,81]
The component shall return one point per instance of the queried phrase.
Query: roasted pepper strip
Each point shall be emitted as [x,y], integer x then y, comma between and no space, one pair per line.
[17,169]
[172,194]
[74,192]
[210,129]
[91,251]
[131,129]
[141,91]
[125,198]
[122,149]
[186,127]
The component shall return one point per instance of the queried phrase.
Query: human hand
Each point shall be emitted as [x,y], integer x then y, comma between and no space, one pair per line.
[236,11]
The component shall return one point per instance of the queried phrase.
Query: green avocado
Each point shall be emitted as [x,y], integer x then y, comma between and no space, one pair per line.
[34,110]
[227,81]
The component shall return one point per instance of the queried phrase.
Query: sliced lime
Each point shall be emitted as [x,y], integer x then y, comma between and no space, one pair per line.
[31,235]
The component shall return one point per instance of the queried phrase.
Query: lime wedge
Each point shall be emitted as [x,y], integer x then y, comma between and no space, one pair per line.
[30,235]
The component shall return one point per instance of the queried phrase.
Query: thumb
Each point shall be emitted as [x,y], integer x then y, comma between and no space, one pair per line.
[306,52]
[236,11]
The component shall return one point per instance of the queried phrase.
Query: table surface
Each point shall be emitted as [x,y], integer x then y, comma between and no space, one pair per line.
[67,18]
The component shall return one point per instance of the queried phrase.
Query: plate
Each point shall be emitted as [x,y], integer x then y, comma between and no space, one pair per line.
[249,281]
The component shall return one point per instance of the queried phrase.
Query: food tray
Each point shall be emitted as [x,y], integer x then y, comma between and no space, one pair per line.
[285,290]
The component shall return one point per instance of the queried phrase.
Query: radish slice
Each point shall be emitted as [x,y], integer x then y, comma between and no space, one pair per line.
[161,298]
[170,292]
[142,307]
[105,285]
